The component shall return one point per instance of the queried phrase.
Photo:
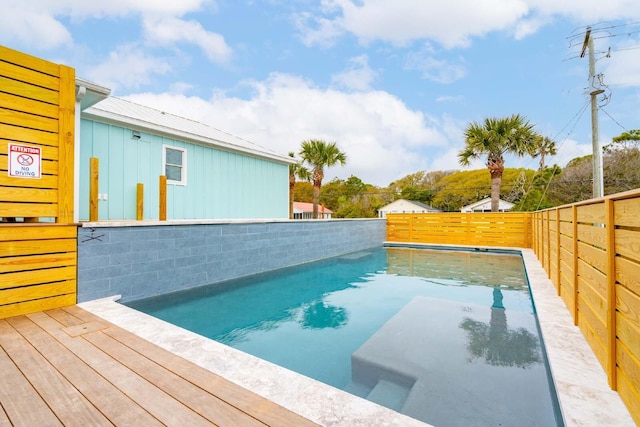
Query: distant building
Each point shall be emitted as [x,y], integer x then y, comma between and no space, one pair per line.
[484,205]
[405,206]
[303,210]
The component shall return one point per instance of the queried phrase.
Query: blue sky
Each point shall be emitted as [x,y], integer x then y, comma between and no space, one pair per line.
[393,82]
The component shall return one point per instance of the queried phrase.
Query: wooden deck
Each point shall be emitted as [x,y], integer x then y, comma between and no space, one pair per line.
[69,367]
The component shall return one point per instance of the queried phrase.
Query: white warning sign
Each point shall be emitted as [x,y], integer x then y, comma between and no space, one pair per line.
[25,161]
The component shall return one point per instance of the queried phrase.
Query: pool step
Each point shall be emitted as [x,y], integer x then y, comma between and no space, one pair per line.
[389,394]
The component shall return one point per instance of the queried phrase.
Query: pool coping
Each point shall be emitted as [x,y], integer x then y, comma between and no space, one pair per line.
[580,381]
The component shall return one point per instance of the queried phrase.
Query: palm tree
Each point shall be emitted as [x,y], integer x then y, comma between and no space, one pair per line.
[544,147]
[495,137]
[318,154]
[296,169]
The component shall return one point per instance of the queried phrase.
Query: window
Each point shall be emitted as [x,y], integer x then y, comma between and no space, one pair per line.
[175,165]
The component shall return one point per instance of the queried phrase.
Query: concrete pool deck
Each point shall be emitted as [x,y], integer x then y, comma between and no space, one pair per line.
[580,381]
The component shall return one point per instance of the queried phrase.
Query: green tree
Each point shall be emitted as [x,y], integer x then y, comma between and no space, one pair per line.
[621,172]
[318,154]
[573,184]
[303,192]
[295,170]
[414,187]
[352,198]
[536,196]
[632,136]
[494,138]
[544,147]
[465,187]
[332,191]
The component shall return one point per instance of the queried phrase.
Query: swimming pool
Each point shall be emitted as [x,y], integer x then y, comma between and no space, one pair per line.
[422,332]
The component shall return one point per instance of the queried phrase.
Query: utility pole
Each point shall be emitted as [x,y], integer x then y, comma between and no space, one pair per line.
[598,179]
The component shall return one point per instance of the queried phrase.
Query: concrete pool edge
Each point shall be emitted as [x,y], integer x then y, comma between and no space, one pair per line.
[580,382]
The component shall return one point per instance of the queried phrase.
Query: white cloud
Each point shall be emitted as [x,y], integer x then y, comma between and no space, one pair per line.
[23,22]
[434,69]
[623,67]
[114,8]
[453,23]
[450,98]
[39,23]
[588,11]
[171,30]
[129,66]
[384,139]
[569,149]
[180,87]
[358,76]
[450,23]
[317,31]
[526,27]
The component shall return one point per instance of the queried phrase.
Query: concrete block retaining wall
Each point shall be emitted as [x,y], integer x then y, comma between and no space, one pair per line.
[139,260]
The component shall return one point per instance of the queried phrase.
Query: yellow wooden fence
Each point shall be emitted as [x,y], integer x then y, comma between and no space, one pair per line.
[37,256]
[591,251]
[509,229]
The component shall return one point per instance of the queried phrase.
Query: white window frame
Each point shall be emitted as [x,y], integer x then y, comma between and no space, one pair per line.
[183,175]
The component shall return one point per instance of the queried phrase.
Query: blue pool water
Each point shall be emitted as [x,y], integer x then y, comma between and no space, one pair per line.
[447,337]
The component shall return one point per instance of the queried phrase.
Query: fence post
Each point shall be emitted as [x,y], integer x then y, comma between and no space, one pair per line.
[467,228]
[66,124]
[534,234]
[611,292]
[410,227]
[574,219]
[139,202]
[548,254]
[94,164]
[162,199]
[558,276]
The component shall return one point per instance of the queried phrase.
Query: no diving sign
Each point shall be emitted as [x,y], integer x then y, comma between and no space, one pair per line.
[25,161]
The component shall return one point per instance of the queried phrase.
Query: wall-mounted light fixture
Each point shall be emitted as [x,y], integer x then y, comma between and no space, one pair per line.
[135,134]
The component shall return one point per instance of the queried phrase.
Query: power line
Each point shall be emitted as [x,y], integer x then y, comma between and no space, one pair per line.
[614,120]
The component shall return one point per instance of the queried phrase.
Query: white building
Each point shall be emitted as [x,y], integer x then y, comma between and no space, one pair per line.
[405,206]
[303,210]
[484,205]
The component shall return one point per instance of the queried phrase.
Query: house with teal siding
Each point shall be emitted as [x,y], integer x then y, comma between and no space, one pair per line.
[210,174]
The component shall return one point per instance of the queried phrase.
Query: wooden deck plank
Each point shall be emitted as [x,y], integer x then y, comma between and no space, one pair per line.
[4,419]
[85,328]
[115,405]
[158,403]
[204,403]
[251,403]
[60,395]
[64,366]
[65,318]
[20,402]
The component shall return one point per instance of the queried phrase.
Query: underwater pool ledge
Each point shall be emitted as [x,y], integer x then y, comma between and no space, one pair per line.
[580,381]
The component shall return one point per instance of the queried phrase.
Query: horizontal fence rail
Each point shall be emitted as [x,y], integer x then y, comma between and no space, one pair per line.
[508,229]
[37,268]
[591,252]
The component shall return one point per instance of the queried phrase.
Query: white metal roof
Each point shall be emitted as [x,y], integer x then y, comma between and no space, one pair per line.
[485,204]
[139,117]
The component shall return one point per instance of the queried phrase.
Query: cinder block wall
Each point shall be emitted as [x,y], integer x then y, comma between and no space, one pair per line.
[141,261]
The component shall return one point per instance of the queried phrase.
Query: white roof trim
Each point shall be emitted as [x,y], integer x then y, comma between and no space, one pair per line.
[114,117]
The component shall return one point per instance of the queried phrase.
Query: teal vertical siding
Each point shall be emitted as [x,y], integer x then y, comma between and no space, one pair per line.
[220,184]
